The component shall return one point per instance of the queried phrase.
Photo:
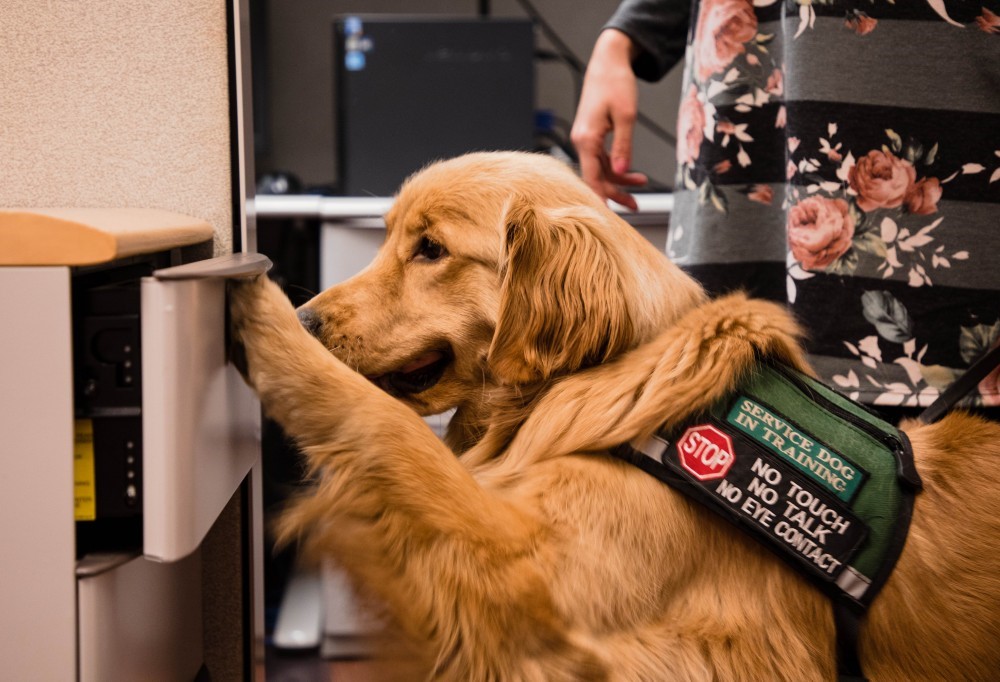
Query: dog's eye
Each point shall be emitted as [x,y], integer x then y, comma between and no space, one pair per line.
[428,249]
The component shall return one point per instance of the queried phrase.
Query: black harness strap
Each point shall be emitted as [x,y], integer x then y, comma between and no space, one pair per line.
[962,386]
[847,621]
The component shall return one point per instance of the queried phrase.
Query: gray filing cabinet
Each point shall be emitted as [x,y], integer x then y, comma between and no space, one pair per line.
[124,433]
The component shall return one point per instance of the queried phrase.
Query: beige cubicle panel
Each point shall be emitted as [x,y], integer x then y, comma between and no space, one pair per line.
[111,104]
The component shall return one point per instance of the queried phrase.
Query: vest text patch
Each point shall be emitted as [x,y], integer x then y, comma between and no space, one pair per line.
[775,500]
[830,469]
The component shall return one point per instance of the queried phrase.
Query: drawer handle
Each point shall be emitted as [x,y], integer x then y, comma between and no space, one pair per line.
[233,266]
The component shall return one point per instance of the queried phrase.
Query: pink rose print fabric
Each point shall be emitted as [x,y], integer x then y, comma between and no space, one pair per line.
[724,29]
[690,127]
[819,231]
[880,180]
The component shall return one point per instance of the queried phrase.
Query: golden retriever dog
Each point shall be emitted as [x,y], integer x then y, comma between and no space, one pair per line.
[517,549]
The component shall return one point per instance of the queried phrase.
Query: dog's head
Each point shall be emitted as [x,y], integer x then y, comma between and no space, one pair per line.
[497,269]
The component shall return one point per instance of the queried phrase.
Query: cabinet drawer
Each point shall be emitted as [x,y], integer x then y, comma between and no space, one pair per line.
[201,423]
[139,619]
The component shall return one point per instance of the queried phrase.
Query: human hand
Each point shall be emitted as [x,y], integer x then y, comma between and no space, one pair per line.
[608,104]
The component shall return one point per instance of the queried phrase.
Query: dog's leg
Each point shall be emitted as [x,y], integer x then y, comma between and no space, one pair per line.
[680,373]
[457,567]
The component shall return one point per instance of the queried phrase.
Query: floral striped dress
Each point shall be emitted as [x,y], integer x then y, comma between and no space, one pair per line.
[843,157]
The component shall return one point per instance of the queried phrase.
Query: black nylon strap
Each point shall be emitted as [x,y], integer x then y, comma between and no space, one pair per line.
[847,620]
[962,386]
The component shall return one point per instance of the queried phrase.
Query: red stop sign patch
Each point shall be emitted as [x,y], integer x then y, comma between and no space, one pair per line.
[705,452]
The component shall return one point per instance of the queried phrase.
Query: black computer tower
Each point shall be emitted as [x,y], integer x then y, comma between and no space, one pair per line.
[411,90]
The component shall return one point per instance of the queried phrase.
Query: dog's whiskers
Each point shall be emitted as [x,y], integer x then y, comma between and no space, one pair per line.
[305,290]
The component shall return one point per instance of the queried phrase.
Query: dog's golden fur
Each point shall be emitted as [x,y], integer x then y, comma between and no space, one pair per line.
[519,550]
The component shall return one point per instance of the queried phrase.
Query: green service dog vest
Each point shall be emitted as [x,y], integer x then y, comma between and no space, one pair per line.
[817,478]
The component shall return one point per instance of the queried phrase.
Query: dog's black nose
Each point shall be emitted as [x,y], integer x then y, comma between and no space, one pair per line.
[310,320]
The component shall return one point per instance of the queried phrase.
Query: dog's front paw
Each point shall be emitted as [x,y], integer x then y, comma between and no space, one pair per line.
[243,295]
[239,300]
[259,314]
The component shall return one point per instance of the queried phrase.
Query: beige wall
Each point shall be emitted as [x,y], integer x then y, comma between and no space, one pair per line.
[111,103]
[300,76]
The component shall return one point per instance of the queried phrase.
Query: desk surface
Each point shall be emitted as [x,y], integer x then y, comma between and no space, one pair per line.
[85,236]
[653,208]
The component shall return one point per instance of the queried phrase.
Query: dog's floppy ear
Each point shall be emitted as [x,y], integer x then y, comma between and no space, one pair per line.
[563,304]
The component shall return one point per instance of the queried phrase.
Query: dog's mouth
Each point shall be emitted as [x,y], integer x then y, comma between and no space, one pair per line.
[415,376]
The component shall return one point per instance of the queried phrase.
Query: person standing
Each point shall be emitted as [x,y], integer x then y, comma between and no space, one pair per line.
[841,157]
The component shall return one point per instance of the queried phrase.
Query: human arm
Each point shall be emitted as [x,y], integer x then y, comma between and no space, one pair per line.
[608,105]
[644,39]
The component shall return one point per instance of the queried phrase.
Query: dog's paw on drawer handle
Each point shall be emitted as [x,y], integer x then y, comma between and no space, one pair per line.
[238,291]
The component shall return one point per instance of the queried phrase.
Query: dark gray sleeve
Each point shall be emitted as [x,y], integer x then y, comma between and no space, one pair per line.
[659,28]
